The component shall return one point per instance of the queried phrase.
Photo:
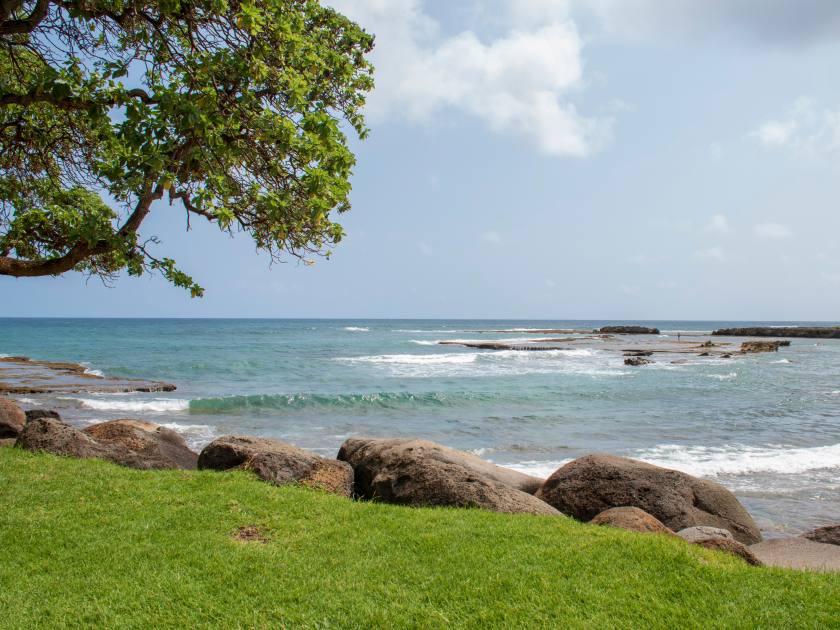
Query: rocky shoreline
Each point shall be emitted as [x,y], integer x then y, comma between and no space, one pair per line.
[597,488]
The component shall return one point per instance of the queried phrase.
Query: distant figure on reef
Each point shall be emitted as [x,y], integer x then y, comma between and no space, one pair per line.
[678,336]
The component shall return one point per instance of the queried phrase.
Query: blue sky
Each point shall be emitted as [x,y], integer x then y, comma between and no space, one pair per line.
[627,159]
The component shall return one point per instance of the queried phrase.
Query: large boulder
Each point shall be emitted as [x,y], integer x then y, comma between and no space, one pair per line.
[632,519]
[587,486]
[142,448]
[12,419]
[830,535]
[157,446]
[278,463]
[421,473]
[798,553]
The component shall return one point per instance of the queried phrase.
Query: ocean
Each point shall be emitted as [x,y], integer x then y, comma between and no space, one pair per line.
[767,426]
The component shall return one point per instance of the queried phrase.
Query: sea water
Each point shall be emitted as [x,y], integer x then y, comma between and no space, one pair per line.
[767,426]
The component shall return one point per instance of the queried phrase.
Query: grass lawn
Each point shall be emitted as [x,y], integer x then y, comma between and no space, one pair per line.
[86,543]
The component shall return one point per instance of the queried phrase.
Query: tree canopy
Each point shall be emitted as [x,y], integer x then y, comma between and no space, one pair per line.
[235,111]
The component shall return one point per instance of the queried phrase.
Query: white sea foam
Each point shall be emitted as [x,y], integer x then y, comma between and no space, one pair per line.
[29,401]
[155,405]
[707,461]
[356,329]
[537,468]
[582,361]
[781,361]
[731,376]
[420,342]
[197,436]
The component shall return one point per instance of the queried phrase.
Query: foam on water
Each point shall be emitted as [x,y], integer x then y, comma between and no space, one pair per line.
[197,436]
[731,376]
[356,329]
[738,459]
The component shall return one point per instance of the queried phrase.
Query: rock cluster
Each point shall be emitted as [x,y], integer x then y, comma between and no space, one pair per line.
[600,489]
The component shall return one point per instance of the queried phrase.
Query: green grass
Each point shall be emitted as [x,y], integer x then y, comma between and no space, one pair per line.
[86,543]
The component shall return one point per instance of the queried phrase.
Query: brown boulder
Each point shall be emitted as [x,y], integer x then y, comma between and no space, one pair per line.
[278,463]
[637,361]
[12,419]
[587,486]
[632,519]
[829,535]
[153,444]
[421,473]
[141,448]
[732,547]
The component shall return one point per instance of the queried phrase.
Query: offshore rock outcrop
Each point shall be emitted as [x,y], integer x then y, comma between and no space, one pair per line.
[627,330]
[818,332]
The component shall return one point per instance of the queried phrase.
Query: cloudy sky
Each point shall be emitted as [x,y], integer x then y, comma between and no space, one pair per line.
[555,159]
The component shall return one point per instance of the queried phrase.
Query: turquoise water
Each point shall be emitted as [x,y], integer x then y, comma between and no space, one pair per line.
[767,426]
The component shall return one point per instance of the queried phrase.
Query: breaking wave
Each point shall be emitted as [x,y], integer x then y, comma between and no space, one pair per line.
[158,405]
[379,400]
[708,461]
[356,329]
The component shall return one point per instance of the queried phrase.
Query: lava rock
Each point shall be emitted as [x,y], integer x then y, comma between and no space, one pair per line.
[278,463]
[12,419]
[589,485]
[421,473]
[632,519]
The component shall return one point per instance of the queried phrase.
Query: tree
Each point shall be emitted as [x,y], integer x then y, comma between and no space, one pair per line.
[234,110]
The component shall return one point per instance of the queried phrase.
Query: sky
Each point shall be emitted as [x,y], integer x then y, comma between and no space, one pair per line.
[553,159]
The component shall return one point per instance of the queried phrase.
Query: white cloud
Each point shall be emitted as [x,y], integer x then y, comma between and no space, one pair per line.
[772,231]
[714,254]
[491,237]
[806,129]
[720,224]
[519,83]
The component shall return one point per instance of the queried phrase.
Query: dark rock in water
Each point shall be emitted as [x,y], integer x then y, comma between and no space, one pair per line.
[704,532]
[726,356]
[703,354]
[632,519]
[587,486]
[732,547]
[638,353]
[760,346]
[278,463]
[136,445]
[637,361]
[153,445]
[421,473]
[12,419]
[798,553]
[829,535]
[627,330]
[34,414]
[800,333]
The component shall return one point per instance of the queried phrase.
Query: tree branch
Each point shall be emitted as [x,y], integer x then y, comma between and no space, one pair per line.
[19,268]
[27,24]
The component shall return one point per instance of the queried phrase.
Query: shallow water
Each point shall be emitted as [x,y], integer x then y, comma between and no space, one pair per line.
[766,426]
